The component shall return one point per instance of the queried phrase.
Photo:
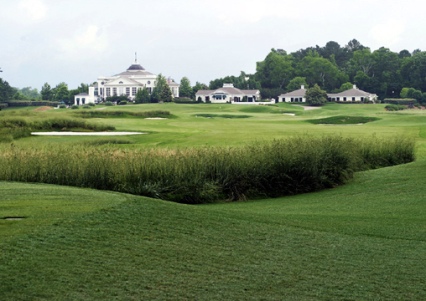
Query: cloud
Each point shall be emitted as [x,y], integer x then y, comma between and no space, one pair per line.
[86,44]
[34,10]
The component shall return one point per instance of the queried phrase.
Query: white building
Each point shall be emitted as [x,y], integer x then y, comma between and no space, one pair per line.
[353,94]
[228,94]
[85,98]
[294,96]
[125,83]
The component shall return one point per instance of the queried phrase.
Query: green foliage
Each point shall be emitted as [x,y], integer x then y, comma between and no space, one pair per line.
[121,114]
[395,107]
[109,103]
[315,96]
[296,83]
[116,98]
[75,107]
[184,100]
[27,103]
[185,89]
[6,91]
[122,103]
[46,92]
[276,70]
[142,96]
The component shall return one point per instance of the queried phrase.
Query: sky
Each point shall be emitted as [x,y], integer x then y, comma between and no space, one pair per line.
[76,41]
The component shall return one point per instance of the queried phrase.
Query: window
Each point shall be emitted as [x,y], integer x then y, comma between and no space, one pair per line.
[108,92]
[114,91]
[128,91]
[120,83]
[133,91]
[344,98]
[353,98]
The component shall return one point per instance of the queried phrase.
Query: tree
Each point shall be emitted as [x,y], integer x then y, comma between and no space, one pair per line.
[345,86]
[142,96]
[319,70]
[276,70]
[166,94]
[199,86]
[46,92]
[315,96]
[185,89]
[296,83]
[161,91]
[6,91]
[61,93]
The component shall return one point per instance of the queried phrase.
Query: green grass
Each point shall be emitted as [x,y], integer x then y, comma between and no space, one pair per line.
[349,243]
[361,241]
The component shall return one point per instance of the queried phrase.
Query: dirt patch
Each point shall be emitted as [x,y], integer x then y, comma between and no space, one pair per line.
[42,109]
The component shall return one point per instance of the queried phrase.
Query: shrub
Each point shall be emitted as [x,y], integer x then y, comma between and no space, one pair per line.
[122,103]
[395,107]
[86,107]
[109,103]
[74,107]
[62,106]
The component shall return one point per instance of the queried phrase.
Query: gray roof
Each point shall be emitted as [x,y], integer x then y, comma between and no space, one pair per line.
[228,90]
[354,92]
[295,93]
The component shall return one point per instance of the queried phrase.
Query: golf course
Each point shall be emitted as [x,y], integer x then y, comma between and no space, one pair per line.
[193,204]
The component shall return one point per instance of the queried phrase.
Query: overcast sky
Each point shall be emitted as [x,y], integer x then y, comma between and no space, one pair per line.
[75,41]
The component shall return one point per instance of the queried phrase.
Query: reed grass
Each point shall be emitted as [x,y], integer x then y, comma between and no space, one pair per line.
[18,127]
[201,175]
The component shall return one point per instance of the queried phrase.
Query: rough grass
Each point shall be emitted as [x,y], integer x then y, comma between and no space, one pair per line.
[200,175]
[344,120]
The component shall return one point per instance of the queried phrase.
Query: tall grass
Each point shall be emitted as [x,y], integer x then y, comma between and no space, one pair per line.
[200,175]
[15,128]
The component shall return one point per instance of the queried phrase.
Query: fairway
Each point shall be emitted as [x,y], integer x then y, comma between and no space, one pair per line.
[365,240]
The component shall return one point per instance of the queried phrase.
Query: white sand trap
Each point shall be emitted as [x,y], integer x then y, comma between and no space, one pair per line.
[85,133]
[289,114]
[155,118]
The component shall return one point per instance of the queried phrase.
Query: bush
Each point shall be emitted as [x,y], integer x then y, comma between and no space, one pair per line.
[109,103]
[86,107]
[91,104]
[395,107]
[62,106]
[74,107]
[122,103]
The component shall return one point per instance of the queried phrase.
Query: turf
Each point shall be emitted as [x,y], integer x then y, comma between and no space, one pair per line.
[362,241]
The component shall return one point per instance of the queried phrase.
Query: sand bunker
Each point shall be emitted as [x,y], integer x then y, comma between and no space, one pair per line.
[155,118]
[85,133]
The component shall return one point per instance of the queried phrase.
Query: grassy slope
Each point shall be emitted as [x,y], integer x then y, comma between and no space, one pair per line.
[362,241]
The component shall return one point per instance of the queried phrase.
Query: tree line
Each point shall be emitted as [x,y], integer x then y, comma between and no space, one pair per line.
[332,67]
[335,68]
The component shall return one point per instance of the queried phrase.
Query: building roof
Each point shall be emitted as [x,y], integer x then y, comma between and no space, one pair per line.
[228,89]
[296,93]
[354,92]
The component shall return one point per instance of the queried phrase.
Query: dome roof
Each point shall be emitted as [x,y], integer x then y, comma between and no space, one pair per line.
[135,67]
